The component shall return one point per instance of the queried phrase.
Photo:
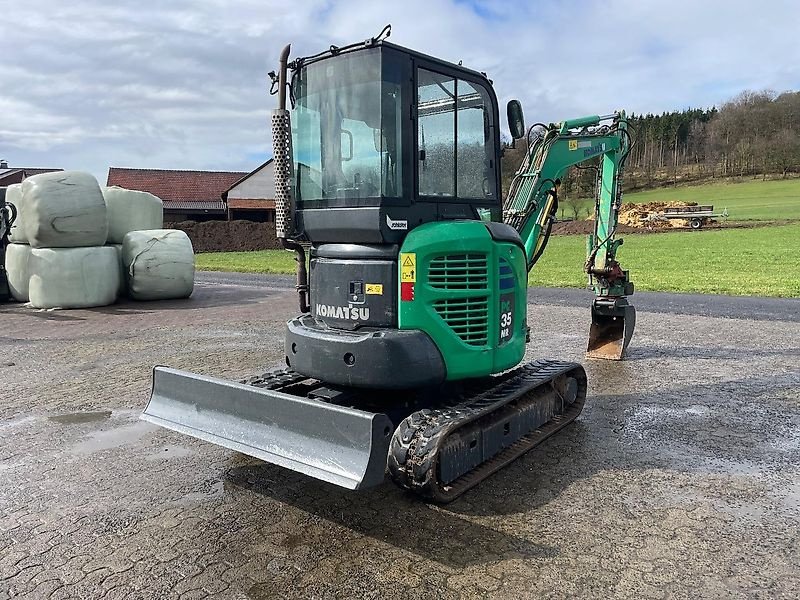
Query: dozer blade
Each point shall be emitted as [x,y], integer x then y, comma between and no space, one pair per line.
[613,322]
[337,444]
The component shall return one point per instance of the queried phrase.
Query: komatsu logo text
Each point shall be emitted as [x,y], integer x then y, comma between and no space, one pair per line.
[594,150]
[350,313]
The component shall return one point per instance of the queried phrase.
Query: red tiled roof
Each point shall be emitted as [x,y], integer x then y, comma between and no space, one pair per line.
[176,186]
[218,206]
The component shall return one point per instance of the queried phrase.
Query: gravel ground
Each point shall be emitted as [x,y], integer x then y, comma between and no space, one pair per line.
[680,479]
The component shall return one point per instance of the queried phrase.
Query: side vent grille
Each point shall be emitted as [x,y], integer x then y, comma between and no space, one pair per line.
[458,272]
[467,317]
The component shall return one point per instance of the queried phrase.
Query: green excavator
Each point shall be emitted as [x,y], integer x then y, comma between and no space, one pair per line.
[406,353]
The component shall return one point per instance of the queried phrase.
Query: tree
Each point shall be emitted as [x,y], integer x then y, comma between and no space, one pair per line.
[574,204]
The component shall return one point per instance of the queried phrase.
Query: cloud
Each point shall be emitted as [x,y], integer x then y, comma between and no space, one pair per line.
[89,84]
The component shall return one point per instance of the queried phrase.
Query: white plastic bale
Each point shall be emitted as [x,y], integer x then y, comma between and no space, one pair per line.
[131,210]
[159,264]
[14,196]
[18,270]
[64,209]
[123,280]
[73,277]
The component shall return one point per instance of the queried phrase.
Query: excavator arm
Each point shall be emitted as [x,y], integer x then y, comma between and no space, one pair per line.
[532,204]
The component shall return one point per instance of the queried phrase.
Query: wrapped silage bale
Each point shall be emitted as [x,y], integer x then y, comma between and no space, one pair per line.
[73,277]
[123,280]
[131,210]
[64,209]
[14,196]
[18,270]
[159,264]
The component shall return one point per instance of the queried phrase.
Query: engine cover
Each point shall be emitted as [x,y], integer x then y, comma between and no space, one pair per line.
[354,285]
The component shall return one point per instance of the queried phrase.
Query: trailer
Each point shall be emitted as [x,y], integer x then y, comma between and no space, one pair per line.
[697,216]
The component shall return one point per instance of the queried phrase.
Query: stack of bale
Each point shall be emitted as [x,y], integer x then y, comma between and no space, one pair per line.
[156,263]
[75,245]
[57,258]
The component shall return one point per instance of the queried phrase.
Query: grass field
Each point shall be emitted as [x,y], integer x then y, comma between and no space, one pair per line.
[762,261]
[746,201]
[263,261]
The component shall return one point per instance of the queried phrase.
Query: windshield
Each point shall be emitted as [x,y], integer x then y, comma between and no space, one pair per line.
[346,130]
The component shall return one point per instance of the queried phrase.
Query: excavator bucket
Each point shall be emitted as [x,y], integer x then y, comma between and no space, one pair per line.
[613,321]
[333,443]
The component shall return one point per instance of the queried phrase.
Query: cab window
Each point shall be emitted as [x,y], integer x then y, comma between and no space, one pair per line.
[455,145]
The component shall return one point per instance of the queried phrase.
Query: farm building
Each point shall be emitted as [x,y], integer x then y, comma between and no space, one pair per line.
[187,195]
[12,175]
[253,196]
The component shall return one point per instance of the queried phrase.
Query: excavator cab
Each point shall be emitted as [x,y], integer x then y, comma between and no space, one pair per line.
[385,139]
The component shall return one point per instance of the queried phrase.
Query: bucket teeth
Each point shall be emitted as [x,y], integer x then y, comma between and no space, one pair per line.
[613,322]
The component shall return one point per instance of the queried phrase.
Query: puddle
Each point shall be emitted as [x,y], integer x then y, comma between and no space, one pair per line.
[171,452]
[740,509]
[210,490]
[81,417]
[16,422]
[789,442]
[791,499]
[113,438]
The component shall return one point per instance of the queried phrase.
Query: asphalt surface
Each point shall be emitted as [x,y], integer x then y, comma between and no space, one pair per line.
[680,479]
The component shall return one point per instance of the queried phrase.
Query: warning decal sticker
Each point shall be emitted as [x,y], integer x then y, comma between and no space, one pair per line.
[408,266]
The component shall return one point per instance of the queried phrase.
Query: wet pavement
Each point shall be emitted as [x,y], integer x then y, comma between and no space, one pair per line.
[680,479]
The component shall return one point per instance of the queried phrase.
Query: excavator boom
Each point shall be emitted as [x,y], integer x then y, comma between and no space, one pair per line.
[532,202]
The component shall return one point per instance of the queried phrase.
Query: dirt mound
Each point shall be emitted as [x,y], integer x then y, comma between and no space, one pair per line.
[586,227]
[228,236]
[640,215]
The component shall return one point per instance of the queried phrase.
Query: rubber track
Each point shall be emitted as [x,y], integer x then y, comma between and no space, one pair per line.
[413,453]
[275,379]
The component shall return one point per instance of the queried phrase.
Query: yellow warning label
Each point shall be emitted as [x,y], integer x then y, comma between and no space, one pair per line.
[408,266]
[573,144]
[374,289]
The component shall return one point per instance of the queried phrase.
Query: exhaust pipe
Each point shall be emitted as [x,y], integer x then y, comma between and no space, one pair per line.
[282,153]
[284,176]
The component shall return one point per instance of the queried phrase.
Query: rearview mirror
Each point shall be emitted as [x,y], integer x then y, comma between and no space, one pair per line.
[516,121]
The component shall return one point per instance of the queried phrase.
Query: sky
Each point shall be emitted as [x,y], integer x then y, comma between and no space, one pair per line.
[182,84]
